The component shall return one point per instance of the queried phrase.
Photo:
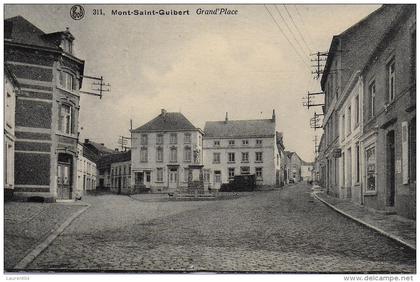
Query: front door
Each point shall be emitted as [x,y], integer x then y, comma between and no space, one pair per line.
[173,179]
[64,181]
[391,168]
[147,179]
[217,179]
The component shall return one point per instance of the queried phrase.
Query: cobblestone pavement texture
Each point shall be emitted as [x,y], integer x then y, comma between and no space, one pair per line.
[277,231]
[398,226]
[28,224]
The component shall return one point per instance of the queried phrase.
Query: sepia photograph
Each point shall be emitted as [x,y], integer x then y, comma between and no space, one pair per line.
[275,138]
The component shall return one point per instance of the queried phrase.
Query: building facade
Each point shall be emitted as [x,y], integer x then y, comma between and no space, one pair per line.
[47,109]
[349,109]
[239,147]
[86,171]
[163,151]
[10,90]
[307,170]
[349,52]
[388,144]
[121,173]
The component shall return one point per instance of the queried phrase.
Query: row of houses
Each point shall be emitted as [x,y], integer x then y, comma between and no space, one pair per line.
[367,153]
[167,150]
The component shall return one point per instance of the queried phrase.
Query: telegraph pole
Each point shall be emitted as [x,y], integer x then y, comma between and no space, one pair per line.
[320,58]
[100,86]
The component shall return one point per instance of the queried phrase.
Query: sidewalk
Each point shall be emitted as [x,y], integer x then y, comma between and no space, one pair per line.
[28,224]
[393,226]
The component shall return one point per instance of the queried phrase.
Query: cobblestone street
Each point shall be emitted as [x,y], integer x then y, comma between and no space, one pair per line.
[276,231]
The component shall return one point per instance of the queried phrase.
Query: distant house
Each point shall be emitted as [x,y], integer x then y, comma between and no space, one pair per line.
[86,170]
[283,158]
[241,147]
[306,170]
[294,171]
[163,151]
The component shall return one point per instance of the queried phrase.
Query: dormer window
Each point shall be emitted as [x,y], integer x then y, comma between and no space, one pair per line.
[67,46]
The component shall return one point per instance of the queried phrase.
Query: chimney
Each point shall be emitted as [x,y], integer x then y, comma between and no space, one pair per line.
[86,141]
[116,150]
[163,112]
[273,118]
[103,144]
[226,118]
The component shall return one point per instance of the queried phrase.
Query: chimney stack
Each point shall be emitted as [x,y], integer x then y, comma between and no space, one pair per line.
[116,150]
[163,112]
[226,118]
[86,141]
[273,118]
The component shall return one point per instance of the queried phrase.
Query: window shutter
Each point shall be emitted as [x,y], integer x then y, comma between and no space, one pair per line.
[404,144]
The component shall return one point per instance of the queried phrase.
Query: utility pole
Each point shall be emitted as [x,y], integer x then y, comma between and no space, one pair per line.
[100,86]
[315,122]
[124,141]
[321,57]
[308,100]
[316,145]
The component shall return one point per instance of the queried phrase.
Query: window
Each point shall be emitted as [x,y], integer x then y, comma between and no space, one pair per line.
[357,163]
[68,81]
[159,154]
[216,158]
[173,138]
[356,111]
[187,154]
[217,143]
[173,158]
[245,142]
[258,173]
[143,139]
[258,157]
[231,157]
[159,139]
[348,127]
[231,172]
[66,119]
[391,80]
[412,149]
[217,176]
[258,142]
[187,138]
[143,155]
[245,157]
[231,142]
[206,175]
[343,126]
[371,102]
[370,170]
[245,170]
[67,46]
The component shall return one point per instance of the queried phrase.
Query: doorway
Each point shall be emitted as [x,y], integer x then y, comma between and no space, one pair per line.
[64,176]
[173,178]
[390,145]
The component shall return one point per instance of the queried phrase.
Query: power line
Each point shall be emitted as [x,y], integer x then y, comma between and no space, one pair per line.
[284,35]
[290,30]
[304,24]
[293,22]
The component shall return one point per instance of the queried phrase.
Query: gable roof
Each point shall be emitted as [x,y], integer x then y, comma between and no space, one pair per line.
[167,122]
[105,161]
[20,30]
[240,128]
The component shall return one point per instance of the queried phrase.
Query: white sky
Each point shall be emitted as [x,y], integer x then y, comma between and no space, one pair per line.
[202,66]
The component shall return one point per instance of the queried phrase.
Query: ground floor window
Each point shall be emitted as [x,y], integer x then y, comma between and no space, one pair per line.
[159,174]
[259,173]
[231,172]
[245,170]
[217,176]
[370,170]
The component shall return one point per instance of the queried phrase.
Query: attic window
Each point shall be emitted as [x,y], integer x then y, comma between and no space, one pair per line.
[67,46]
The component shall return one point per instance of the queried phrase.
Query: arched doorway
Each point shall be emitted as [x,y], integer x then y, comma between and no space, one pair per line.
[64,176]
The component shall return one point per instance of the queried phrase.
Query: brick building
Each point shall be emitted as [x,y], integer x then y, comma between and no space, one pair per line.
[47,108]
[349,51]
[388,144]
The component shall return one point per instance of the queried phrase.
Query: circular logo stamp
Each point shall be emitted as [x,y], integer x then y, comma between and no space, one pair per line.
[77,12]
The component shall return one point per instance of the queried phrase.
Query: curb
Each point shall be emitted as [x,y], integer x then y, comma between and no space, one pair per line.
[23,263]
[382,232]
